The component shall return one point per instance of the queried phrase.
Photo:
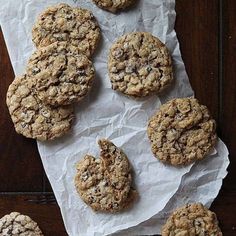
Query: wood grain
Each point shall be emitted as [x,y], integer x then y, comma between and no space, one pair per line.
[197,31]
[225,204]
[228,102]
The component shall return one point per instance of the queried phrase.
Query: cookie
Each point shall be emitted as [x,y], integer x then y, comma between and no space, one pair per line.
[193,220]
[182,131]
[63,23]
[113,5]
[16,224]
[139,65]
[62,76]
[31,117]
[105,183]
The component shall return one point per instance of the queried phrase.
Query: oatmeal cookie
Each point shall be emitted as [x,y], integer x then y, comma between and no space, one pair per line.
[63,23]
[139,64]
[182,131]
[113,5]
[16,224]
[62,76]
[192,220]
[31,117]
[105,183]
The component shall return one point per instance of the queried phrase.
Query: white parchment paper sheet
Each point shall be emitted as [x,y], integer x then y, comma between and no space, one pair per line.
[105,113]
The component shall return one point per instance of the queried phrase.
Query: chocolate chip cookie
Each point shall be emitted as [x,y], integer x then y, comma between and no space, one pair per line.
[63,23]
[182,131]
[193,220]
[113,5]
[31,117]
[16,224]
[139,65]
[105,183]
[62,75]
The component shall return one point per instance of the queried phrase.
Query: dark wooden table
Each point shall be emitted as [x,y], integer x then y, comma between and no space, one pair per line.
[207,33]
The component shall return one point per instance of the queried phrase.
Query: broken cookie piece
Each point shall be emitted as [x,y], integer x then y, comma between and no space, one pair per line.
[105,183]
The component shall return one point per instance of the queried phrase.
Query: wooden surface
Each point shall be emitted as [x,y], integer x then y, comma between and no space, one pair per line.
[207,33]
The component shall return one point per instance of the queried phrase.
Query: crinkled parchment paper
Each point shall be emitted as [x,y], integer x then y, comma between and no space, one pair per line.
[105,113]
